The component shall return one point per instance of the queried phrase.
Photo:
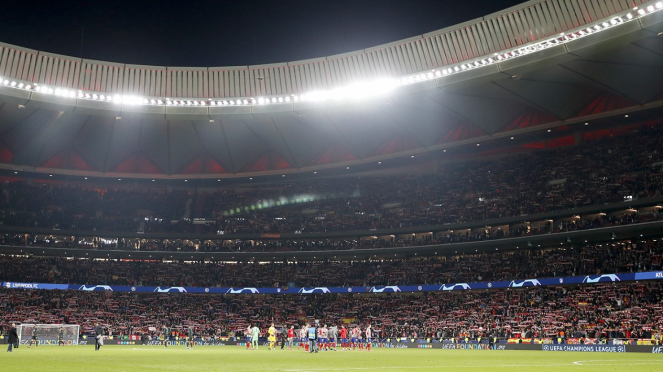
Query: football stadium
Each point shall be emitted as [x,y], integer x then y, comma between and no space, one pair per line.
[486,196]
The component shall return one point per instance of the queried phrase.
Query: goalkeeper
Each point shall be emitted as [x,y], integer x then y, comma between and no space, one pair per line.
[34,339]
[255,334]
[61,337]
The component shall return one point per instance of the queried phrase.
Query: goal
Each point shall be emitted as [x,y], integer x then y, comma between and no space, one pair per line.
[48,334]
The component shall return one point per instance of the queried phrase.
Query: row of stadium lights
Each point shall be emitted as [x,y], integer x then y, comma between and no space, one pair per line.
[356,91]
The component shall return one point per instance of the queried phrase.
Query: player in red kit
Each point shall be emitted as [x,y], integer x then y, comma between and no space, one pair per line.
[368,333]
[344,337]
[291,337]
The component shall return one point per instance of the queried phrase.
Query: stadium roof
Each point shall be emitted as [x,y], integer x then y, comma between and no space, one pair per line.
[468,84]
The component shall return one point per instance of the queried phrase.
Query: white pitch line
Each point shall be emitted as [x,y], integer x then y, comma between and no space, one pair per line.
[625,362]
[582,362]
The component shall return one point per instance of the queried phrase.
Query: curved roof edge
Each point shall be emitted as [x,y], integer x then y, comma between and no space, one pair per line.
[465,44]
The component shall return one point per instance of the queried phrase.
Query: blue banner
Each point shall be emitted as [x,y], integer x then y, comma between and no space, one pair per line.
[34,285]
[587,279]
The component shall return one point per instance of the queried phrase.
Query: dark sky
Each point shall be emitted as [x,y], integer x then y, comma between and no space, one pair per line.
[225,32]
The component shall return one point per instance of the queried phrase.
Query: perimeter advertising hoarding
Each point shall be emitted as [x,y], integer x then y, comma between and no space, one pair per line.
[585,279]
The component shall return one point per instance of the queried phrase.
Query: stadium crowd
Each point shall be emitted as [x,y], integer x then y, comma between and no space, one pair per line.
[596,311]
[289,245]
[618,257]
[601,171]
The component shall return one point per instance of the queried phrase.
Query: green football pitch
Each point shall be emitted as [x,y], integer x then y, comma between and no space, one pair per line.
[233,358]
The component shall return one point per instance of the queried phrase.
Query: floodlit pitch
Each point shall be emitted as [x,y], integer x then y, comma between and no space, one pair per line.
[233,358]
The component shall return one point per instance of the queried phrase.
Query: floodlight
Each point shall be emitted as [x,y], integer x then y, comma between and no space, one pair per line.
[641,11]
[659,5]
[261,100]
[650,8]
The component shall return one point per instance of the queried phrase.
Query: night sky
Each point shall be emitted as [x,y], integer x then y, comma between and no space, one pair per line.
[226,33]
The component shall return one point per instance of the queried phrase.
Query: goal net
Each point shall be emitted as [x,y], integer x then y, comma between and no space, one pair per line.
[49,334]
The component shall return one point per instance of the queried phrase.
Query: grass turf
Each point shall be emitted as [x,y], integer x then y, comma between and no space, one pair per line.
[233,358]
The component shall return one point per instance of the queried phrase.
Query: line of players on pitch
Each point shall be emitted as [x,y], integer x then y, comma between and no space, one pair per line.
[313,338]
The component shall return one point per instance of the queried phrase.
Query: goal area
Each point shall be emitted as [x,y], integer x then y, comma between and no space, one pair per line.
[49,334]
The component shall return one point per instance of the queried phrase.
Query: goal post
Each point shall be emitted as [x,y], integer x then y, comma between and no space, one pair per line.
[49,334]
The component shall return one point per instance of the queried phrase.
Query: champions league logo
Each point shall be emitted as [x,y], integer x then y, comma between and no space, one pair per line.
[170,289]
[457,286]
[242,290]
[95,288]
[314,290]
[524,283]
[8,285]
[601,278]
[390,288]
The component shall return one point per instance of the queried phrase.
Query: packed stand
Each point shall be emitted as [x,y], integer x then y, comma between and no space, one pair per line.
[606,258]
[625,310]
[290,245]
[598,172]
